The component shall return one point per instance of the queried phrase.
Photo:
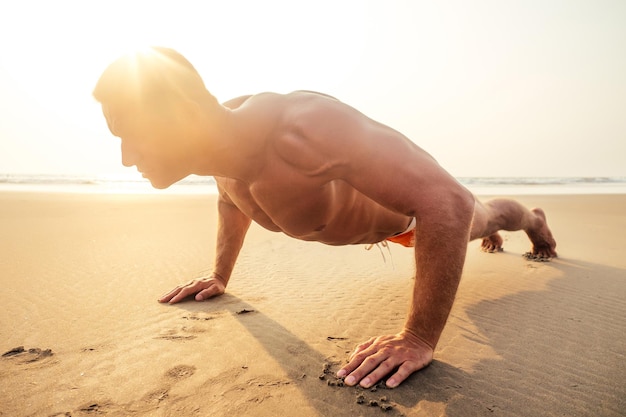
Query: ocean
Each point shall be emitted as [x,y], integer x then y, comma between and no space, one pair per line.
[206,185]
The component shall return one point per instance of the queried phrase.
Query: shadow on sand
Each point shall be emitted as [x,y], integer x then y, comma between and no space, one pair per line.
[560,353]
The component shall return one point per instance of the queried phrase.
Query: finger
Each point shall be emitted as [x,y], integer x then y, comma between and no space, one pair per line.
[168,296]
[368,364]
[207,293]
[360,348]
[403,372]
[353,362]
[383,369]
[182,294]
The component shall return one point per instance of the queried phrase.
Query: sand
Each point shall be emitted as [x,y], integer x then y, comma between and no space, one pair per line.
[80,275]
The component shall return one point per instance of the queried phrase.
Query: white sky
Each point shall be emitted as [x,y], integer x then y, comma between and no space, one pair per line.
[489,87]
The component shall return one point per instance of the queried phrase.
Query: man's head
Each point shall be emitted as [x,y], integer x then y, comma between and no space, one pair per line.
[153,100]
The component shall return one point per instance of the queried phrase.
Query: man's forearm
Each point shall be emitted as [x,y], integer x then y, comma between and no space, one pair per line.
[434,291]
[440,251]
[232,228]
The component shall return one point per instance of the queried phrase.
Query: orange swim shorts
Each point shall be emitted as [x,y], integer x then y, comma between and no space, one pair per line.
[406,238]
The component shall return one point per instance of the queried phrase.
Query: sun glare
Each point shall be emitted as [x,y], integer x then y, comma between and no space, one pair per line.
[60,69]
[412,65]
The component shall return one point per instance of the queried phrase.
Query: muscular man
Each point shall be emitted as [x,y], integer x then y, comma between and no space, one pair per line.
[316,169]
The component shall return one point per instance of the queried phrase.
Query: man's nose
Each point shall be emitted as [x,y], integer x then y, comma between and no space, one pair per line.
[129,155]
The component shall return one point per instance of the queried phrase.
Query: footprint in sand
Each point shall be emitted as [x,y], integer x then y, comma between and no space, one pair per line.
[172,335]
[97,408]
[181,334]
[143,406]
[25,356]
[90,408]
[180,372]
[172,376]
[203,317]
[156,396]
[190,332]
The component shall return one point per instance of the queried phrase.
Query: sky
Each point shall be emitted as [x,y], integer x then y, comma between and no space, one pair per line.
[488,87]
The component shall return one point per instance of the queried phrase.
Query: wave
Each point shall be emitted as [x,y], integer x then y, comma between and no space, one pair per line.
[486,181]
[197,184]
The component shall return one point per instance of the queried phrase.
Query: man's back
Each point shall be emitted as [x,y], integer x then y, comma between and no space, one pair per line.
[293,183]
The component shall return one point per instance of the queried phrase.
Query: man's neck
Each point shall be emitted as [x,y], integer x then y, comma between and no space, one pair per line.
[224,152]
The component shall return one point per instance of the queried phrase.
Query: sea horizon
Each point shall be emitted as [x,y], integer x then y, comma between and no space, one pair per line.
[132,184]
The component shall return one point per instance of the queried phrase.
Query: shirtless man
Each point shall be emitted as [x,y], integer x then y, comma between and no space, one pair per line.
[316,169]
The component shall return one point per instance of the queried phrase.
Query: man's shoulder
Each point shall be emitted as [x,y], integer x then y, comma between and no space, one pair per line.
[307,115]
[309,93]
[308,111]
[285,113]
[250,100]
[295,99]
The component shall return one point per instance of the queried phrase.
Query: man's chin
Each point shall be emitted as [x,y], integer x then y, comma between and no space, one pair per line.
[159,184]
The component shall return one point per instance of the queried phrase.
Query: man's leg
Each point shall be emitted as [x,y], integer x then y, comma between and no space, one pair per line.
[507,214]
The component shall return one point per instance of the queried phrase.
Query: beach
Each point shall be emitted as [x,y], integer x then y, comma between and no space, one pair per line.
[82,333]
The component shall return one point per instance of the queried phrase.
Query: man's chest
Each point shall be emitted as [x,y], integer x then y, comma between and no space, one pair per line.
[289,204]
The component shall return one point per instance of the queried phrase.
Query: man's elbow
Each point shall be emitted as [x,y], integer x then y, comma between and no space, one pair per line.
[454,208]
[462,203]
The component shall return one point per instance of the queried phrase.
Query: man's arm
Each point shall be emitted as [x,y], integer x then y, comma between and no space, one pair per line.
[439,257]
[232,226]
[388,168]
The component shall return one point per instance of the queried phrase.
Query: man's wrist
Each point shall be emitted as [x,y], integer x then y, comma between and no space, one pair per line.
[220,278]
[413,335]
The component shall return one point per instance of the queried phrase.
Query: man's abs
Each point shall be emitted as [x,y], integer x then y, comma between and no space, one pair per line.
[333,213]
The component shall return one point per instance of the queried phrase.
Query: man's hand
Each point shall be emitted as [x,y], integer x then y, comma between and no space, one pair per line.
[204,288]
[376,358]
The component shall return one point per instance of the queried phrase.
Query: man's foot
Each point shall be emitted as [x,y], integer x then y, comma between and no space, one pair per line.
[544,245]
[492,243]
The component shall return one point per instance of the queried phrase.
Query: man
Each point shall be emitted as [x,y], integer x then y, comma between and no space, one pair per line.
[316,169]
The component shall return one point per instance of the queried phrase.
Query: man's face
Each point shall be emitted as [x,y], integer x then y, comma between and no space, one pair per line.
[152,142]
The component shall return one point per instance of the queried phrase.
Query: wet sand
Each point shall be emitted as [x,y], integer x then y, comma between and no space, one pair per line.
[84,335]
